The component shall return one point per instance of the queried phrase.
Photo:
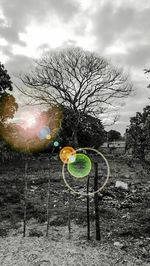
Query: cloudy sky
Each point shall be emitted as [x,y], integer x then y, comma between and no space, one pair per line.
[116,29]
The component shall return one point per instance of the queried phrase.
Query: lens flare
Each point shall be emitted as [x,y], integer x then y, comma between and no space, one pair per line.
[42,134]
[72,158]
[81,167]
[48,137]
[56,143]
[33,130]
[30,121]
[66,153]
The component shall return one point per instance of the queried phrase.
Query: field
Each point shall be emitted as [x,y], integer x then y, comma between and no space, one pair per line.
[124,217]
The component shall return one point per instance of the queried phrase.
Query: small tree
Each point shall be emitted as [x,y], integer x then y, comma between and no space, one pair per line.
[8,105]
[78,79]
[113,135]
[5,81]
[138,133]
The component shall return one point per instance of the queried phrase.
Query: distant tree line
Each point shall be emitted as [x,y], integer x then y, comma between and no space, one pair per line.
[138,132]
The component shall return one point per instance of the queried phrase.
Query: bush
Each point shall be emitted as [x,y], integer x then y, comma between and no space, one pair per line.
[59,221]
[3,232]
[35,233]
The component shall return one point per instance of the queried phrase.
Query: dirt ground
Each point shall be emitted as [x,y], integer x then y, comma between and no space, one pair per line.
[57,249]
[124,218]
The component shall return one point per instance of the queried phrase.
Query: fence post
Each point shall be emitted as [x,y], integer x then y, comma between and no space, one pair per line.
[25,200]
[48,200]
[88,211]
[97,223]
[69,213]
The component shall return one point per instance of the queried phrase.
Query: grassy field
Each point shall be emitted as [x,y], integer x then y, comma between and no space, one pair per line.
[124,215]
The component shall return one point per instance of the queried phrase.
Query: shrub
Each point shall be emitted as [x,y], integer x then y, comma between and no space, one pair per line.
[3,232]
[35,233]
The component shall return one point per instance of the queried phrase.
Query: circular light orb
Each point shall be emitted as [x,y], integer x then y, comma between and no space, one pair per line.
[72,158]
[81,193]
[66,153]
[48,136]
[42,134]
[56,143]
[81,167]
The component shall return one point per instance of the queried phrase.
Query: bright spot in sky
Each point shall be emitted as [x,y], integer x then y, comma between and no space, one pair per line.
[29,120]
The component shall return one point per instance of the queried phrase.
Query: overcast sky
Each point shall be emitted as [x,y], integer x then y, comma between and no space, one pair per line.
[116,29]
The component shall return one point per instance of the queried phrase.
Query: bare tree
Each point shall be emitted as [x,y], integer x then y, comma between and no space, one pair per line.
[78,79]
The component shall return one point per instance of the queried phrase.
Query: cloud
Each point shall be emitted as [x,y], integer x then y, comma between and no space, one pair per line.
[110,24]
[19,14]
[15,66]
[139,56]
[126,27]
[18,63]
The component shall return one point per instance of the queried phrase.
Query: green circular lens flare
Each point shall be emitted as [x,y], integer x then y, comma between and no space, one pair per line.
[68,162]
[81,167]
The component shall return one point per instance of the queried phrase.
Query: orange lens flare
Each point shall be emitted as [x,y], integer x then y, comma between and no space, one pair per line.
[66,153]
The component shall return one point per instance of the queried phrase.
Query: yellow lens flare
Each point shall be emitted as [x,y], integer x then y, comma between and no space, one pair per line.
[48,137]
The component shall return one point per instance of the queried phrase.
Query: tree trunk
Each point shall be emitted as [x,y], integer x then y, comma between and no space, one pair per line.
[97,223]
[75,138]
